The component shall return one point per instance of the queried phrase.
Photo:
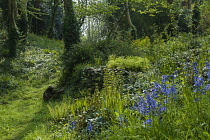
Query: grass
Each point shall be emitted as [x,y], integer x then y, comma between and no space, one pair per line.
[24,114]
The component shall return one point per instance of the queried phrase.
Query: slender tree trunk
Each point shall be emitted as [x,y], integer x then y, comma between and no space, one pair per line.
[130,24]
[54,8]
[23,21]
[12,29]
[12,12]
[116,25]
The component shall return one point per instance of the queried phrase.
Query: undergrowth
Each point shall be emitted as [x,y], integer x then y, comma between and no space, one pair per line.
[168,100]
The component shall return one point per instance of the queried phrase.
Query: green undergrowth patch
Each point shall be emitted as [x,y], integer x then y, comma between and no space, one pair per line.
[45,43]
[169,100]
[33,66]
[131,63]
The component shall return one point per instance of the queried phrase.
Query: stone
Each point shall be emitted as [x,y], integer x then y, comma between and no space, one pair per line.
[52,93]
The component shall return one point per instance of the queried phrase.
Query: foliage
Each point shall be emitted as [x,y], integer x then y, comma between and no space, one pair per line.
[132,63]
[113,115]
[196,18]
[174,90]
[205,16]
[92,53]
[168,100]
[59,111]
[45,43]
[34,64]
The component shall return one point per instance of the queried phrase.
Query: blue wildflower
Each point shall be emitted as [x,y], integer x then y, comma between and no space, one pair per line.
[141,107]
[164,78]
[207,87]
[195,99]
[149,121]
[208,70]
[157,86]
[162,109]
[166,101]
[173,89]
[198,82]
[151,103]
[195,64]
[89,127]
[73,124]
[164,89]
[186,65]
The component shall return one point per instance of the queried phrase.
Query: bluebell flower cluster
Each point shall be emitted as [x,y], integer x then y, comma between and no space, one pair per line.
[208,71]
[154,100]
[200,83]
[151,103]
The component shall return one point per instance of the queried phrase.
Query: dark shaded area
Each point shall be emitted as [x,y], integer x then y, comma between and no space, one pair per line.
[52,93]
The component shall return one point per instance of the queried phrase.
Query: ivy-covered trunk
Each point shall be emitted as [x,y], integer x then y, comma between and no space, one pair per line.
[23,21]
[70,27]
[71,36]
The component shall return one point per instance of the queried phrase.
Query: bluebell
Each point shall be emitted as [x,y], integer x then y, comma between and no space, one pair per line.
[149,121]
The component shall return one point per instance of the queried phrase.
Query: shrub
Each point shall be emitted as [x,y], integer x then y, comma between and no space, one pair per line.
[92,53]
[132,63]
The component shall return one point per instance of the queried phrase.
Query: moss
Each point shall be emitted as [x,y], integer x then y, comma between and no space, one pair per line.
[131,63]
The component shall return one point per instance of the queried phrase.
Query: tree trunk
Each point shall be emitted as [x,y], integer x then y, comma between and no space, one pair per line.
[23,21]
[71,36]
[13,35]
[130,24]
[71,26]
[54,8]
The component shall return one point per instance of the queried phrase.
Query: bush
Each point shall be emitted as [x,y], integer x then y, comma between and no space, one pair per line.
[92,53]
[131,63]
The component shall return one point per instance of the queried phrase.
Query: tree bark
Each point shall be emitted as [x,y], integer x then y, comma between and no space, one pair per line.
[12,13]
[71,26]
[54,8]
[13,35]
[127,14]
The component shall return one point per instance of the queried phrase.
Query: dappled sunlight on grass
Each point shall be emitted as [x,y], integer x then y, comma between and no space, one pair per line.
[23,110]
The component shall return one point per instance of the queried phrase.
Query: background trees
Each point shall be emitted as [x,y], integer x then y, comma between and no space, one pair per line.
[101,19]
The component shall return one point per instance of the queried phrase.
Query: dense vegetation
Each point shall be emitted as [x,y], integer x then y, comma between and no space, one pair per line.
[130,69]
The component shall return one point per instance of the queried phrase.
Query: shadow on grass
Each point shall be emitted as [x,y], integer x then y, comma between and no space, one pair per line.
[6,75]
[34,123]
[41,117]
